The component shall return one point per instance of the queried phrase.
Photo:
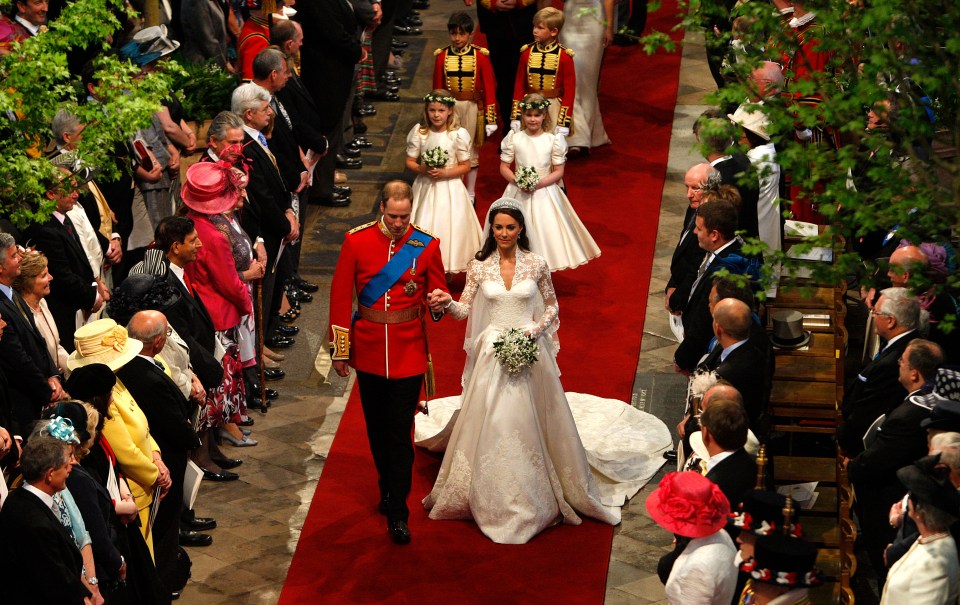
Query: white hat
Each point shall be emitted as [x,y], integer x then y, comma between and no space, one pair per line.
[103,341]
[751,117]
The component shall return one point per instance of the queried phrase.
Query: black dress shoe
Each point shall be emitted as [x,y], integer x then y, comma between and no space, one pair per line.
[399,532]
[273,374]
[397,52]
[359,126]
[341,191]
[392,79]
[391,88]
[365,110]
[288,330]
[198,523]
[345,163]
[362,142]
[402,30]
[225,463]
[221,476]
[304,284]
[411,21]
[256,404]
[279,342]
[351,152]
[384,95]
[670,455]
[401,43]
[175,596]
[299,296]
[192,538]
[291,316]
[271,394]
[247,422]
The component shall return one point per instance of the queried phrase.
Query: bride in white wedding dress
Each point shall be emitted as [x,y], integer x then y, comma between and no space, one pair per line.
[514,460]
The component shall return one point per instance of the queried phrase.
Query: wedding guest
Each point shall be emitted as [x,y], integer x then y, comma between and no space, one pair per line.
[126,426]
[928,573]
[41,562]
[689,505]
[33,284]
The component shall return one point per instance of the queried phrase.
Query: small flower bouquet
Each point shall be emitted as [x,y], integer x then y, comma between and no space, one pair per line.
[527,178]
[515,351]
[435,158]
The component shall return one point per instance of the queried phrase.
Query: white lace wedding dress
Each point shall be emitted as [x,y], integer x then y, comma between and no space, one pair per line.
[514,460]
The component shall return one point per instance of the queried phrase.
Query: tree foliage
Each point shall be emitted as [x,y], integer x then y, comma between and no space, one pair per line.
[902,175]
[35,82]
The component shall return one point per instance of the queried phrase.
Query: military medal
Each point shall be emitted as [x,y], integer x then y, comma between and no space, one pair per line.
[410,288]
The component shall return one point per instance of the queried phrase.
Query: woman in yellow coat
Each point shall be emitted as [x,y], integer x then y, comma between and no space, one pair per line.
[125,427]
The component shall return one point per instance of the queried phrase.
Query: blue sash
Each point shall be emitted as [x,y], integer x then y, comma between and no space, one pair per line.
[398,265]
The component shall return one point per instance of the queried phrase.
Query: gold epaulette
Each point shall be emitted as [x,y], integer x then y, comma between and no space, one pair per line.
[482,50]
[567,50]
[438,51]
[362,227]
[422,230]
[525,47]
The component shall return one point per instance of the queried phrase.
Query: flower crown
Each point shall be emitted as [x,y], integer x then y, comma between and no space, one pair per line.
[538,105]
[506,202]
[432,98]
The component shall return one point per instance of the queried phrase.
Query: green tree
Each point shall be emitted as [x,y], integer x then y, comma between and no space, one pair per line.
[35,82]
[901,59]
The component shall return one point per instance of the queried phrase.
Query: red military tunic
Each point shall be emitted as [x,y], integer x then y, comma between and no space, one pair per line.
[549,71]
[392,350]
[468,75]
[254,37]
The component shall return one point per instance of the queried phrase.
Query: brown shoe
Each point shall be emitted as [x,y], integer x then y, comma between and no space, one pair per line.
[273,354]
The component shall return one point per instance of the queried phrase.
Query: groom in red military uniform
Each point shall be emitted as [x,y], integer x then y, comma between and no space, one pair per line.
[391,265]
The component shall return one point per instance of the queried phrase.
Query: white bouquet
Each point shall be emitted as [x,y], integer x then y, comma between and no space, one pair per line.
[435,158]
[527,178]
[515,350]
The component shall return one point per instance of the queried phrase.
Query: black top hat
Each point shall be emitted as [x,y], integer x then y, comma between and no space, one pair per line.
[76,413]
[788,332]
[139,292]
[784,561]
[90,380]
[930,484]
[761,512]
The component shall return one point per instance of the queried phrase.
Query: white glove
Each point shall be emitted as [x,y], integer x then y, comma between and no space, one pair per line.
[490,129]
[563,131]
[805,135]
[515,125]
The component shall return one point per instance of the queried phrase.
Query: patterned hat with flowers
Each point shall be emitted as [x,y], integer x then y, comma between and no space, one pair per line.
[761,513]
[688,504]
[783,561]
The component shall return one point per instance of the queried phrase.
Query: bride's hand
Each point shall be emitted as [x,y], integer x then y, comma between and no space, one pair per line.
[438,300]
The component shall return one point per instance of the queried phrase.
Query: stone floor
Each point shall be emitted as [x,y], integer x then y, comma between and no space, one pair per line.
[260,515]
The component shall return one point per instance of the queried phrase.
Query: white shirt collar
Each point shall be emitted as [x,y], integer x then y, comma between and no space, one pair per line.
[717,459]
[47,498]
[721,159]
[33,29]
[731,349]
[7,291]
[253,132]
[896,338]
[178,272]
[59,216]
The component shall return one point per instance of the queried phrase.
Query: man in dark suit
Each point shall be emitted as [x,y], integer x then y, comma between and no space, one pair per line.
[270,214]
[715,228]
[898,441]
[877,389]
[724,428]
[30,372]
[507,26]
[688,255]
[189,317]
[714,133]
[168,413]
[331,49]
[74,287]
[41,561]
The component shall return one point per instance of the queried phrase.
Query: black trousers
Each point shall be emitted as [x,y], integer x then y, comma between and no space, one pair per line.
[506,32]
[389,405]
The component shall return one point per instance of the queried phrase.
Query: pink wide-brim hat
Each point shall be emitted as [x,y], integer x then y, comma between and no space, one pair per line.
[688,504]
[211,187]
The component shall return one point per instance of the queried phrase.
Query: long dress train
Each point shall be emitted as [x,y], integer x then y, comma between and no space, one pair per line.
[514,460]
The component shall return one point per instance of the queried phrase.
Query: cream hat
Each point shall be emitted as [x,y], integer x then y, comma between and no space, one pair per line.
[103,341]
[751,117]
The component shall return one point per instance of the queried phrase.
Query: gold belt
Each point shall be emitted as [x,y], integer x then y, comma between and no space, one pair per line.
[382,316]
[476,95]
[546,94]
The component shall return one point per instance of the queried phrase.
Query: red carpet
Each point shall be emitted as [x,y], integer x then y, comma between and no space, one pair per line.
[344,555]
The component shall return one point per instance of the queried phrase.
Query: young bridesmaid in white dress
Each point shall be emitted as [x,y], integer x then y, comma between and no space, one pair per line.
[556,233]
[441,203]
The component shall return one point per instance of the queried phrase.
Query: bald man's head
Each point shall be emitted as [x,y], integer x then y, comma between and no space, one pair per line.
[695,179]
[721,390]
[146,326]
[767,80]
[906,261]
[734,317]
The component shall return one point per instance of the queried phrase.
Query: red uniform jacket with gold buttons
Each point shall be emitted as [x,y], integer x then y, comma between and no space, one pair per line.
[390,350]
[549,72]
[468,71]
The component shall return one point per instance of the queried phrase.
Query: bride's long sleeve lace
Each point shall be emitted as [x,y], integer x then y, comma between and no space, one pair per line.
[460,310]
[549,320]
